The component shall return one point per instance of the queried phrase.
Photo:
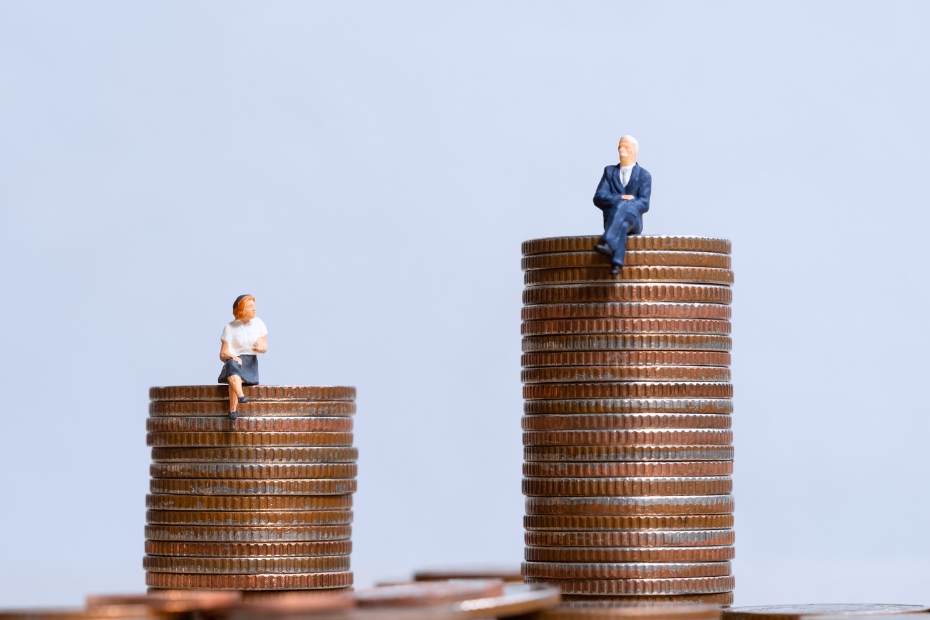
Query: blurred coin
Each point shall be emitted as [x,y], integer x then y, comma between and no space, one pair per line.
[625,570]
[721,598]
[697,585]
[241,550]
[248,503]
[173,601]
[507,574]
[253,471]
[420,594]
[630,554]
[246,566]
[287,605]
[260,455]
[630,538]
[609,610]
[682,505]
[181,486]
[190,517]
[794,612]
[651,522]
[209,533]
[249,582]
[109,612]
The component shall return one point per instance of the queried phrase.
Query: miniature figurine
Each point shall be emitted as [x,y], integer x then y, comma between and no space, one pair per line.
[242,339]
[623,196]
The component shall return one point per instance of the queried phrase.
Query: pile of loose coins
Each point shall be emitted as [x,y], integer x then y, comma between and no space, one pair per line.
[259,503]
[627,442]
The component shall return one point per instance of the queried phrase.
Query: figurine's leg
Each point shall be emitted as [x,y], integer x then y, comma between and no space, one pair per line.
[618,243]
[233,393]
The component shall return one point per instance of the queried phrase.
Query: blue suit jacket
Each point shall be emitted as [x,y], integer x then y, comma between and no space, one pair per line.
[610,189]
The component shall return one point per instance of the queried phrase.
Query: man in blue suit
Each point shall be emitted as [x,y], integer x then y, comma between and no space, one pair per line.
[623,196]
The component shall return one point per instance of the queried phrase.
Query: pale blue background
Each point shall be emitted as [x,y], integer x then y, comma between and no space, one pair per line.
[368,172]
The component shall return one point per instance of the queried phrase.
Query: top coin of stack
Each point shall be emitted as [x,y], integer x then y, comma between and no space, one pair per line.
[260,503]
[627,441]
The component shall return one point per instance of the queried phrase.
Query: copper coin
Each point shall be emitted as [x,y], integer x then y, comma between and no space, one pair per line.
[634,243]
[658,310]
[583,454]
[630,538]
[289,604]
[248,425]
[428,593]
[652,437]
[567,260]
[627,470]
[610,421]
[244,550]
[711,485]
[246,566]
[232,502]
[622,506]
[697,585]
[629,554]
[795,612]
[721,598]
[624,373]
[583,275]
[187,486]
[235,439]
[245,471]
[611,610]
[110,612]
[507,574]
[625,358]
[190,517]
[249,582]
[630,406]
[255,455]
[619,326]
[257,408]
[632,522]
[168,601]
[253,392]
[623,292]
[212,533]
[518,599]
[572,343]
[615,390]
[625,570]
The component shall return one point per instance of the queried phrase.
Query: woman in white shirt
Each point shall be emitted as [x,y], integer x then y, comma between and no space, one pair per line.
[242,339]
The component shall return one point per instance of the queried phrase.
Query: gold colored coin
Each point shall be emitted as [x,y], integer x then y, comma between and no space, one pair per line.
[207,503]
[245,550]
[631,522]
[190,517]
[634,243]
[186,486]
[622,292]
[235,471]
[627,470]
[568,260]
[249,582]
[585,487]
[630,538]
[237,439]
[255,455]
[587,374]
[212,533]
[246,566]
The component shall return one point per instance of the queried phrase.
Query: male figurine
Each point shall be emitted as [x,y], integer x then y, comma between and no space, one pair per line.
[242,339]
[623,196]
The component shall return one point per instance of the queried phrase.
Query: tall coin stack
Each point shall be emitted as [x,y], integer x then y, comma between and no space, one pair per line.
[627,442]
[260,503]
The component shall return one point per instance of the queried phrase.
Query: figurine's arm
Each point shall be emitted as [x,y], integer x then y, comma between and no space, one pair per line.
[603,197]
[226,355]
[261,345]
[640,202]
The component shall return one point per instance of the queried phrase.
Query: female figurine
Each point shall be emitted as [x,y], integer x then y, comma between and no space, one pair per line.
[242,339]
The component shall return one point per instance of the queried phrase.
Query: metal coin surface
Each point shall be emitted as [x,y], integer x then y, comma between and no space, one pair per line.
[616,390]
[252,471]
[625,570]
[578,275]
[627,470]
[720,598]
[657,310]
[188,486]
[255,455]
[244,550]
[518,599]
[719,406]
[167,601]
[247,503]
[622,506]
[606,343]
[650,258]
[623,292]
[507,574]
[110,612]
[696,585]
[630,554]
[428,593]
[190,517]
[625,358]
[253,392]
[249,582]
[619,326]
[612,421]
[235,439]
[257,408]
[794,612]
[283,604]
[634,243]
[248,425]
[711,485]
[633,522]
[624,373]
[246,566]
[630,538]
[628,453]
[213,533]
[651,437]
[611,610]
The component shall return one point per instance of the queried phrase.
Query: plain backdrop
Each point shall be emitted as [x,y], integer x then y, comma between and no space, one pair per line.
[368,171]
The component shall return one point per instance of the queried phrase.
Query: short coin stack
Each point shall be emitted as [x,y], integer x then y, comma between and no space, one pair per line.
[627,441]
[260,503]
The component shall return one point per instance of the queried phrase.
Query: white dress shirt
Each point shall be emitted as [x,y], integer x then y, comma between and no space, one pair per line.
[625,172]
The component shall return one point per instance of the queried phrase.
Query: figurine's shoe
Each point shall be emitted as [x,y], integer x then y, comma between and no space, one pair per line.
[232,415]
[606,250]
[615,270]
[243,399]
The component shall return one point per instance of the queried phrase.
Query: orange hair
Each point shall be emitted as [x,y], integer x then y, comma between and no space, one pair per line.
[238,310]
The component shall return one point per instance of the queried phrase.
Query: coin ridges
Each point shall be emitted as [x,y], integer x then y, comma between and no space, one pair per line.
[246,566]
[639,243]
[625,570]
[721,598]
[657,310]
[244,518]
[624,506]
[195,549]
[633,522]
[652,258]
[184,486]
[624,292]
[621,453]
[610,421]
[578,374]
[687,275]
[620,326]
[256,455]
[248,425]
[630,406]
[248,503]
[698,585]
[235,471]
[234,438]
[256,392]
[210,533]
[711,485]
[254,408]
[653,437]
[630,538]
[627,390]
[629,554]
[249,582]
[626,342]
[621,470]
[624,358]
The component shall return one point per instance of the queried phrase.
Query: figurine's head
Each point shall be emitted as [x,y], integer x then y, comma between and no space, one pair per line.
[628,149]
[244,308]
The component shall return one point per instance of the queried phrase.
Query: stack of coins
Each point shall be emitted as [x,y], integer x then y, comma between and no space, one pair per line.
[259,503]
[627,441]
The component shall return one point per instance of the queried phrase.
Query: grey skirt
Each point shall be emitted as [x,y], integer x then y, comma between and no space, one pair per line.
[248,371]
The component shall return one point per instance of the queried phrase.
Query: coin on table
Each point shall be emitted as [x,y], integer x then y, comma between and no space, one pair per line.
[255,408]
[114,612]
[246,566]
[234,471]
[507,574]
[627,470]
[584,454]
[253,392]
[235,438]
[794,612]
[428,593]
[651,437]
[629,554]
[260,455]
[288,605]
[650,258]
[721,598]
[682,505]
[635,522]
[696,585]
[625,373]
[625,570]
[245,424]
[610,610]
[630,538]
[611,343]
[212,533]
[623,358]
[584,275]
[191,517]
[183,486]
[240,550]
[248,503]
[630,406]
[620,390]
[615,421]
[660,310]
[620,291]
[168,601]
[657,243]
[249,582]
[619,326]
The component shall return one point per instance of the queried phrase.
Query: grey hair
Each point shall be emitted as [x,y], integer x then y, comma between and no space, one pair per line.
[633,140]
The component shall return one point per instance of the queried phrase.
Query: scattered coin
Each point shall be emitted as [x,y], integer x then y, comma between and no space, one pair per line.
[795,612]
